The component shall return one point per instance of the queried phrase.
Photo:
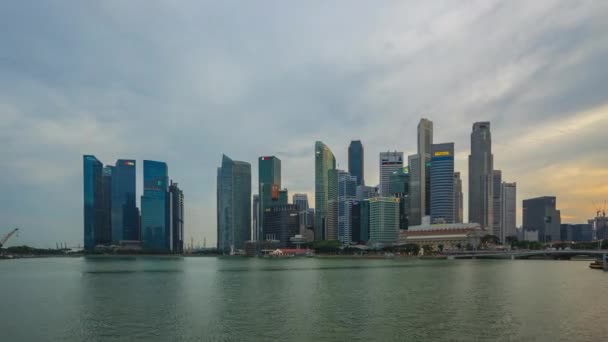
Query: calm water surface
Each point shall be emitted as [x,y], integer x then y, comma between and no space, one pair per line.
[234,299]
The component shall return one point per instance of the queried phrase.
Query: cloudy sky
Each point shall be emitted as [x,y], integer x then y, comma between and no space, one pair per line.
[184,82]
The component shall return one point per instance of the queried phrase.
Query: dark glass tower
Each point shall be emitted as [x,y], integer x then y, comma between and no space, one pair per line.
[176,198]
[233,205]
[125,216]
[93,201]
[269,185]
[156,232]
[481,165]
[355,161]
[105,233]
[442,183]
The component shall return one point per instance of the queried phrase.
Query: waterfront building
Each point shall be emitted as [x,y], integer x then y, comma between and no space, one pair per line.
[356,161]
[93,201]
[347,191]
[269,188]
[425,143]
[481,165]
[458,199]
[600,226]
[540,214]
[155,222]
[383,221]
[176,217]
[125,215]
[399,184]
[234,205]
[496,203]
[324,161]
[255,211]
[578,232]
[450,236]
[442,183]
[282,223]
[389,163]
[508,211]
[415,216]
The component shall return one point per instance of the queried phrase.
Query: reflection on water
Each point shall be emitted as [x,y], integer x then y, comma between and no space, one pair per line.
[237,299]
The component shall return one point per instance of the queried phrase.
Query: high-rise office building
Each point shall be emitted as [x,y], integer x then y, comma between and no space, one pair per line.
[125,215]
[269,187]
[234,205]
[301,200]
[481,165]
[255,211]
[155,220]
[93,201]
[389,163]
[399,185]
[442,183]
[347,192]
[355,161]
[496,202]
[360,221]
[331,221]
[541,215]
[324,161]
[415,216]
[383,221]
[458,199]
[425,142]
[365,192]
[282,223]
[508,211]
[176,217]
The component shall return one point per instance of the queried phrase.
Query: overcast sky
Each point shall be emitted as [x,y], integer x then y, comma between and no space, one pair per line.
[184,82]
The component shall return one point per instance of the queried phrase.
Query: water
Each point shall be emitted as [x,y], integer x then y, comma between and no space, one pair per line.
[237,299]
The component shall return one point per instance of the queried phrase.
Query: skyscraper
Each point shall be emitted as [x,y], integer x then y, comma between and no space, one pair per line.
[255,212]
[383,221]
[301,200]
[282,223]
[347,191]
[389,163]
[355,161]
[415,216]
[481,165]
[324,161]
[155,220]
[458,199]
[93,201]
[442,183]
[496,202]
[269,185]
[105,234]
[176,215]
[125,215]
[540,214]
[399,187]
[508,211]
[425,142]
[234,205]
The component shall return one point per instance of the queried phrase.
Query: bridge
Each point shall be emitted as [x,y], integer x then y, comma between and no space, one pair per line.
[525,254]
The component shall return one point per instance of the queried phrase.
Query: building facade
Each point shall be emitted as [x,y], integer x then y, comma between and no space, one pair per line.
[458,199]
[234,205]
[399,185]
[496,203]
[415,206]
[425,143]
[269,185]
[356,161]
[155,220]
[324,161]
[125,215]
[389,163]
[176,216]
[481,165]
[442,183]
[540,214]
[508,211]
[282,223]
[383,221]
[347,194]
[93,201]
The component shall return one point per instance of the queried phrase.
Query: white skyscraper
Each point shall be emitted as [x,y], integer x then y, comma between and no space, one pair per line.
[389,163]
[508,210]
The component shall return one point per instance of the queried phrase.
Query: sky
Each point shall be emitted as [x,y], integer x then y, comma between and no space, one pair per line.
[185,81]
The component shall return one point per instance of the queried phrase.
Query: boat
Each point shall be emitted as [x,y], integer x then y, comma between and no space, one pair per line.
[597,265]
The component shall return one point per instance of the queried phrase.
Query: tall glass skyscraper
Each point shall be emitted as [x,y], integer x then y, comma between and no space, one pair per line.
[356,161]
[125,216]
[105,234]
[458,200]
[389,163]
[442,183]
[496,202]
[425,141]
[324,161]
[176,216]
[233,205]
[347,195]
[269,185]
[481,165]
[93,200]
[415,214]
[508,211]
[155,224]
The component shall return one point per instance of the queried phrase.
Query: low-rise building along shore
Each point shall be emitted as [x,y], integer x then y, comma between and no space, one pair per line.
[451,236]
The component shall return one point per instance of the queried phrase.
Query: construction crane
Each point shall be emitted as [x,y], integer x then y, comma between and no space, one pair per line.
[8,236]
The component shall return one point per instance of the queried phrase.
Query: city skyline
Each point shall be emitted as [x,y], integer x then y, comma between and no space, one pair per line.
[274,87]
